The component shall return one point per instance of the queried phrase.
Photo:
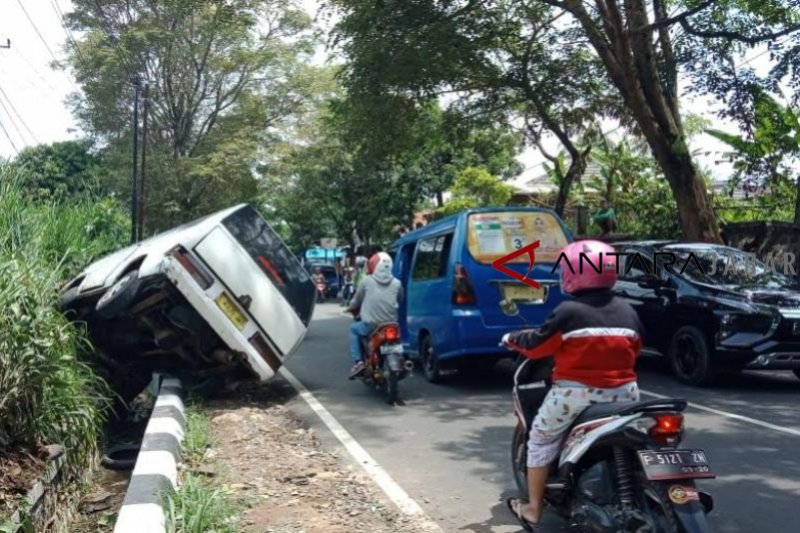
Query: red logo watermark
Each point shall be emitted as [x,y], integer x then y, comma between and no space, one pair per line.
[529,249]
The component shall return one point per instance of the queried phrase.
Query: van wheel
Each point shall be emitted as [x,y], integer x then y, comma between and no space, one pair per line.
[119,296]
[690,357]
[431,366]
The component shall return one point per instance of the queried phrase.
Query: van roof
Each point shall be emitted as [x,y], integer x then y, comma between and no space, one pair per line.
[451,221]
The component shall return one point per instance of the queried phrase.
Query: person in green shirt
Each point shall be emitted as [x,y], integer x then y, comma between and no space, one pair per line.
[605,218]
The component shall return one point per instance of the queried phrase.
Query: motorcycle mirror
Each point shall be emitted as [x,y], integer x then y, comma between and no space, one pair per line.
[509,307]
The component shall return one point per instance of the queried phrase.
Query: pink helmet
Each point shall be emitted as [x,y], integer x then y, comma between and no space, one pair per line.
[584,257]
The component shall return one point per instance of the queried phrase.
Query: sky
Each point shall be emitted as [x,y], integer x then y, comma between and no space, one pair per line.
[32,94]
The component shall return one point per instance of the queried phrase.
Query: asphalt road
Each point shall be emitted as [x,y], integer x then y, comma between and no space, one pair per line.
[448,446]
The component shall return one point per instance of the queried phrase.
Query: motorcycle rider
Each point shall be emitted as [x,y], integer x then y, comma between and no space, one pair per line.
[318,278]
[594,339]
[376,300]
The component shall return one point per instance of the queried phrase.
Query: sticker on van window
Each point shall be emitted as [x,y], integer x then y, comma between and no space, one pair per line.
[495,235]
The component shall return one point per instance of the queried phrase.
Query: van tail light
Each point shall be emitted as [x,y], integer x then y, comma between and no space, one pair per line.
[193,267]
[667,429]
[391,334]
[266,352]
[463,293]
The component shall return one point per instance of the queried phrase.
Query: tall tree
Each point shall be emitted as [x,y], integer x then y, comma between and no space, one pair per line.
[637,42]
[223,77]
[496,59]
[643,46]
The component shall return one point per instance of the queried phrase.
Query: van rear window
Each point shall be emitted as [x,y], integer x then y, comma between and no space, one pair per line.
[274,258]
[494,235]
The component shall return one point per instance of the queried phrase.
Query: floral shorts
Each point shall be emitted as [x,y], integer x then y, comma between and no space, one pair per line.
[560,408]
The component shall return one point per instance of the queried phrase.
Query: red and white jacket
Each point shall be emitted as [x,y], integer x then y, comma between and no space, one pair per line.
[594,339]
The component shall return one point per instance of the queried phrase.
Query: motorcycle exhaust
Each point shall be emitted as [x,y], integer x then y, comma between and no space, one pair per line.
[408,365]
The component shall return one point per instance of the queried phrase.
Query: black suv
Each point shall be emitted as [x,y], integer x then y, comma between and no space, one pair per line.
[710,308]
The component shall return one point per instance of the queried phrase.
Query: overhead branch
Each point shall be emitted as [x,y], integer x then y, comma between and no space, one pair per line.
[669,21]
[737,36]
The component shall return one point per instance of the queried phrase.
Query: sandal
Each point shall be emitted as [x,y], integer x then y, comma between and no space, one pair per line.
[526,524]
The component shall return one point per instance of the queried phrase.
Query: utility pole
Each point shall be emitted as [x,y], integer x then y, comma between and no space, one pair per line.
[135,181]
[143,177]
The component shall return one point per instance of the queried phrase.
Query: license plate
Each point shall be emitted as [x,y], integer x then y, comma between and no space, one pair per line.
[522,292]
[387,349]
[231,311]
[675,464]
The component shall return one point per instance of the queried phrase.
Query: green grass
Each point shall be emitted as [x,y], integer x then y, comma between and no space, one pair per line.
[198,506]
[197,439]
[47,395]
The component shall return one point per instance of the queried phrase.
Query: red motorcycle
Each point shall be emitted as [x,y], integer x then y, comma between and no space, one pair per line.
[385,365]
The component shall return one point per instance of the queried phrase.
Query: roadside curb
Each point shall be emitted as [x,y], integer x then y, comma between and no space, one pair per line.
[156,469]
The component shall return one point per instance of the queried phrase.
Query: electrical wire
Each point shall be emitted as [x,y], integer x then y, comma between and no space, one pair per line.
[14,146]
[22,121]
[13,123]
[70,37]
[132,76]
[36,29]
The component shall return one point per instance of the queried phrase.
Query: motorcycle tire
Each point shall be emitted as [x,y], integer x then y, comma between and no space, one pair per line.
[392,386]
[519,460]
[656,503]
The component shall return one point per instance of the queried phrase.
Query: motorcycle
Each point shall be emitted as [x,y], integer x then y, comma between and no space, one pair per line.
[385,365]
[620,468]
[349,289]
[321,289]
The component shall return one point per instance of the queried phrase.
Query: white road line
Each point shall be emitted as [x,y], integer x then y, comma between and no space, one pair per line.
[733,416]
[393,491]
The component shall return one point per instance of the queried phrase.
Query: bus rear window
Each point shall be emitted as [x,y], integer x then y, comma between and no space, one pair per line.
[494,235]
[274,258]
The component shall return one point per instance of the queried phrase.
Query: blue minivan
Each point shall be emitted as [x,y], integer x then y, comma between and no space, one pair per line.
[457,306]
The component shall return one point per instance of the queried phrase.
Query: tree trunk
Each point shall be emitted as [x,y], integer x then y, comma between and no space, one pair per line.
[631,62]
[576,169]
[695,211]
[797,205]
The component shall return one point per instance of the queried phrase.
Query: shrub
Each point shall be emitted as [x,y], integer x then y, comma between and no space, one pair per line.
[48,396]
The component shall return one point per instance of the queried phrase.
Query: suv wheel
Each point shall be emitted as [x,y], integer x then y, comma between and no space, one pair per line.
[690,357]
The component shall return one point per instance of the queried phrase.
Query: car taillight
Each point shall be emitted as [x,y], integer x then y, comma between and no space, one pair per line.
[463,293]
[263,348]
[193,267]
[667,429]
[391,334]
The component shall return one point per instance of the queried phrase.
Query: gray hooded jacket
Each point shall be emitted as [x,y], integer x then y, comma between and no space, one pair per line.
[378,296]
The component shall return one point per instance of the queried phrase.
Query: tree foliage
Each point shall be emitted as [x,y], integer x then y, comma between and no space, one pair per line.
[476,187]
[224,79]
[641,48]
[498,60]
[62,169]
[769,154]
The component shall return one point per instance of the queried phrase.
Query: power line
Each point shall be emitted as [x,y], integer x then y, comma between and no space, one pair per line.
[22,121]
[36,29]
[132,75]
[70,37]
[14,146]
[13,122]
